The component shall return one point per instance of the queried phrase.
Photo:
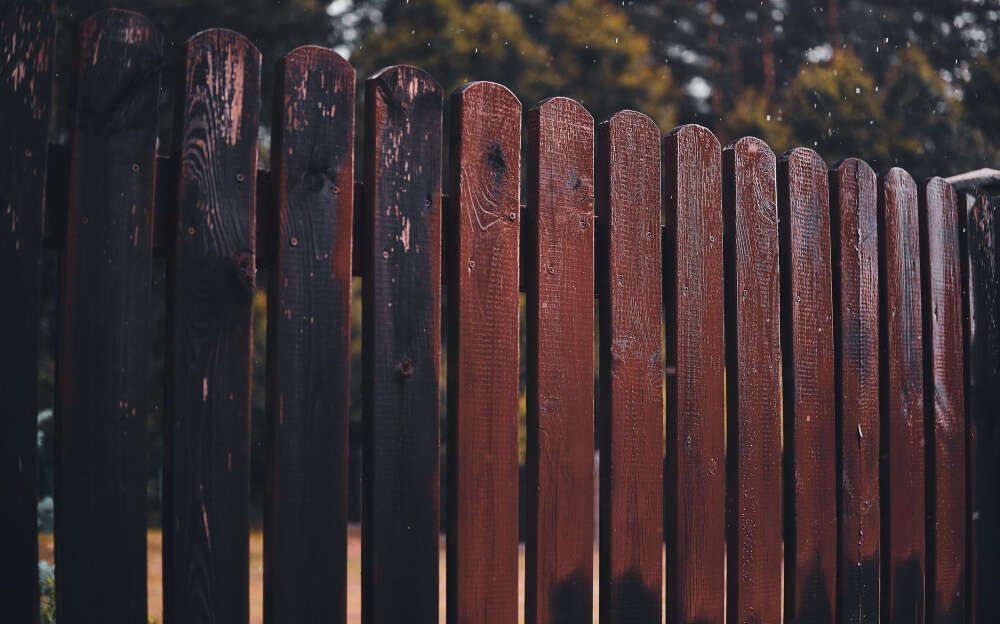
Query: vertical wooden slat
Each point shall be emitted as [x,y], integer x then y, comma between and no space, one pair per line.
[695,360]
[206,472]
[483,355]
[402,353]
[944,396]
[309,339]
[981,275]
[808,386]
[902,441]
[753,380]
[856,331]
[26,38]
[631,418]
[559,258]
[105,330]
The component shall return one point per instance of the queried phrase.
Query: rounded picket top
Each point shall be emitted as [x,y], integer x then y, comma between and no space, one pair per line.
[403,83]
[120,26]
[483,92]
[938,184]
[803,156]
[561,105]
[898,177]
[750,146]
[312,55]
[695,133]
[239,51]
[637,121]
[853,165]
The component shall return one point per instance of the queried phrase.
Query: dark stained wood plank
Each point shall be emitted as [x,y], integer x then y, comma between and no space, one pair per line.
[753,382]
[27,28]
[902,473]
[309,339]
[105,336]
[206,472]
[483,355]
[856,350]
[402,346]
[808,387]
[631,392]
[944,397]
[695,359]
[981,306]
[559,284]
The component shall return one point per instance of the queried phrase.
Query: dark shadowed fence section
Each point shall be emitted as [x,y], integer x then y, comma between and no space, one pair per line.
[798,366]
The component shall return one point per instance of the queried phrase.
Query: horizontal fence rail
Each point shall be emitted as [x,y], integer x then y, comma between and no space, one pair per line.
[790,371]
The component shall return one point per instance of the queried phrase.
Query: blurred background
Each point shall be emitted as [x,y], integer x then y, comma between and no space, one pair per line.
[914,84]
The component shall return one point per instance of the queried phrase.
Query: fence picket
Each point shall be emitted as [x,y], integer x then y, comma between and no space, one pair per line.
[483,355]
[902,475]
[753,351]
[206,472]
[631,384]
[402,309]
[808,386]
[559,260]
[105,348]
[695,359]
[945,403]
[27,29]
[309,339]
[856,331]
[981,305]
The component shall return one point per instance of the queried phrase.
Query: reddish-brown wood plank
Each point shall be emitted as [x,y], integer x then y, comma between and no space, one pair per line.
[902,478]
[483,355]
[631,410]
[856,346]
[27,28]
[402,352]
[695,360]
[944,397]
[309,339]
[808,387]
[981,305]
[206,472]
[106,323]
[559,284]
[753,380]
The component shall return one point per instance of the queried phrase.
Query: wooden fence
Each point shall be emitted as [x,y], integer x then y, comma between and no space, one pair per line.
[829,449]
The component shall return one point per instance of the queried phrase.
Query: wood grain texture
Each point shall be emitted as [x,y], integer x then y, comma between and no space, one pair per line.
[631,409]
[27,29]
[695,359]
[902,474]
[944,397]
[309,339]
[856,350]
[206,472]
[106,323]
[402,351]
[559,284]
[981,303]
[808,387]
[483,355]
[753,403]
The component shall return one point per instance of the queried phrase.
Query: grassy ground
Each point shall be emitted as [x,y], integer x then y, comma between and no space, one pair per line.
[155,567]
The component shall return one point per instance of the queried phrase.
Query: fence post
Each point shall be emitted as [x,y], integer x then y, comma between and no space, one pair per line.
[944,392]
[559,285]
[483,355]
[309,338]
[856,349]
[979,200]
[693,302]
[27,28]
[753,349]
[105,336]
[902,474]
[631,412]
[206,472]
[402,347]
